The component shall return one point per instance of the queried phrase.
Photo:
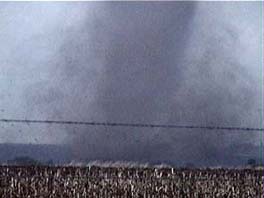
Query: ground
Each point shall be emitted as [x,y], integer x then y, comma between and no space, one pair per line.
[117,182]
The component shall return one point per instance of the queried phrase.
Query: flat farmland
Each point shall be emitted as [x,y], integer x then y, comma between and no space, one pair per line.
[118,182]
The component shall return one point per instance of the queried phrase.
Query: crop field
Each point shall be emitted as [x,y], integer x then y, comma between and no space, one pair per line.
[114,182]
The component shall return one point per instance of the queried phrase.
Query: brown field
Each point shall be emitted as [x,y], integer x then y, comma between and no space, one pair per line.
[44,181]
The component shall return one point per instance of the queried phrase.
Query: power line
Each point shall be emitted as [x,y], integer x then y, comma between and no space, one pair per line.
[137,125]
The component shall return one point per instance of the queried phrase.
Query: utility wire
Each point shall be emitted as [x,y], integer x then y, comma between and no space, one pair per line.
[138,125]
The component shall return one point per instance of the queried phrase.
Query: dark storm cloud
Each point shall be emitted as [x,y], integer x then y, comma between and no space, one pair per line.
[150,62]
[149,76]
[142,66]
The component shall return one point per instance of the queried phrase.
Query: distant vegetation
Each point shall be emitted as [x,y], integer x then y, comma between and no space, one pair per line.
[251,162]
[24,160]
[28,161]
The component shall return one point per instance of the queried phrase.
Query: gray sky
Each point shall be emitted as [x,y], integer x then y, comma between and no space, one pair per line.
[151,62]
